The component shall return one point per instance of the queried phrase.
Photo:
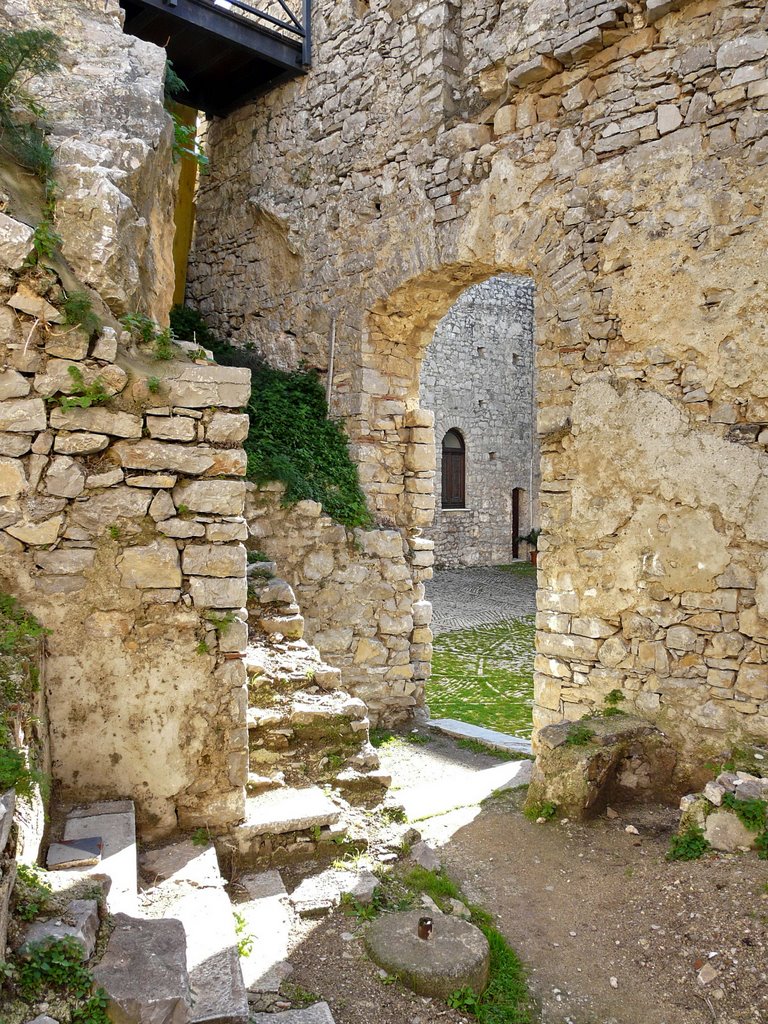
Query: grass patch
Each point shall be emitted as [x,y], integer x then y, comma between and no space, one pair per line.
[545,809]
[579,735]
[484,676]
[383,738]
[519,569]
[501,755]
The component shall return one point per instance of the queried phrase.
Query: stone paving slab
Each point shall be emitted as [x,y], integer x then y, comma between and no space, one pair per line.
[488,737]
[464,598]
[319,1013]
[114,822]
[268,920]
[440,796]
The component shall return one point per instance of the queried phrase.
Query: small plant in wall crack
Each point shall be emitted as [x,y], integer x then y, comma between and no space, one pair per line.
[245,939]
[145,331]
[83,395]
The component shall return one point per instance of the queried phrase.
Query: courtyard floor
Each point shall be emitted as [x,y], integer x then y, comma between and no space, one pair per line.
[482,668]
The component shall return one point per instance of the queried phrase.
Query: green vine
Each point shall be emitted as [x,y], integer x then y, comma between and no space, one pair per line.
[291,438]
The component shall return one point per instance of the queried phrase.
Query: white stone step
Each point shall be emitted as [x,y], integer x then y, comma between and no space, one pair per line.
[319,1013]
[287,810]
[114,821]
[488,737]
[192,891]
[268,921]
[432,798]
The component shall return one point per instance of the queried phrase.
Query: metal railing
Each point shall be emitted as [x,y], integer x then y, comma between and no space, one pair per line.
[289,18]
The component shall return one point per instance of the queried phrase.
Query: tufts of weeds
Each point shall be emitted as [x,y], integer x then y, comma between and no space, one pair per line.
[579,735]
[545,809]
[688,845]
[501,755]
[31,893]
[78,312]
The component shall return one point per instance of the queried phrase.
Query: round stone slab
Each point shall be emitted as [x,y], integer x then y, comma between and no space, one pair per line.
[455,955]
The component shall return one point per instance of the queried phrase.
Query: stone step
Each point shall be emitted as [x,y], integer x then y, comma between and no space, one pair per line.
[191,890]
[114,823]
[488,737]
[318,1013]
[287,810]
[428,799]
[144,972]
[269,920]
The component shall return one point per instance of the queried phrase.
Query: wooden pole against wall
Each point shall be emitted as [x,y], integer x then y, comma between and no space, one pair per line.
[331,357]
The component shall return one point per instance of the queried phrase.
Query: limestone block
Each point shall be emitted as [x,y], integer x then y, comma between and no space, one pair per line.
[505,119]
[70,343]
[753,681]
[395,625]
[13,384]
[568,647]
[13,479]
[15,445]
[419,418]
[172,428]
[108,479]
[158,455]
[227,462]
[380,543]
[227,428]
[154,565]
[457,141]
[21,416]
[668,118]
[210,592]
[726,832]
[214,560]
[15,242]
[162,507]
[57,378]
[37,534]
[181,528]
[198,387]
[97,420]
[681,638]
[536,70]
[370,652]
[27,301]
[105,346]
[743,50]
[234,637]
[419,457]
[613,652]
[65,477]
[152,480]
[224,497]
[592,627]
[222,532]
[66,561]
[80,444]
[79,921]
[144,972]
[318,564]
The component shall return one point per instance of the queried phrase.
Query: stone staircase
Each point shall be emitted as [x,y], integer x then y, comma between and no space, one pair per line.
[180,951]
[304,733]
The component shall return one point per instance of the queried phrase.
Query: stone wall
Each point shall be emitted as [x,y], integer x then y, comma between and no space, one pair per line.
[477,377]
[121,513]
[112,141]
[362,599]
[122,531]
[616,153]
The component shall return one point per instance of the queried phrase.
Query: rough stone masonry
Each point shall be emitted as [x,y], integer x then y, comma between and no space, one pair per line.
[616,151]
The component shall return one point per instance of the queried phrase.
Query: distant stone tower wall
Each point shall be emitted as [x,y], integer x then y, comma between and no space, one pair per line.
[477,377]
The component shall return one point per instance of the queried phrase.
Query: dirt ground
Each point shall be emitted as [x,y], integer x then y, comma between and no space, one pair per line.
[609,930]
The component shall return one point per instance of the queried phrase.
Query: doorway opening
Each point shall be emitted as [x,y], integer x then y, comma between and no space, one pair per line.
[478,378]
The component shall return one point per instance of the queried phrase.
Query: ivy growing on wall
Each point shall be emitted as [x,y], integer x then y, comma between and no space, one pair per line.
[291,438]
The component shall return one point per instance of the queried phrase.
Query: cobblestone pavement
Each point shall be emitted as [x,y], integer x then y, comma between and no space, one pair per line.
[465,598]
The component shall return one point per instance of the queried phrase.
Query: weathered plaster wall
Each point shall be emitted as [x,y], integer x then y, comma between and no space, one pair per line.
[477,377]
[112,139]
[361,597]
[616,153]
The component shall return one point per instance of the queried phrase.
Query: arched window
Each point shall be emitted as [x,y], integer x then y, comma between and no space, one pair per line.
[453,470]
